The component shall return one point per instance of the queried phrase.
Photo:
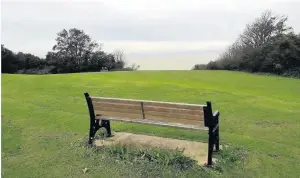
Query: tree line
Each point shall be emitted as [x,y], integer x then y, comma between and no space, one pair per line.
[267,45]
[73,52]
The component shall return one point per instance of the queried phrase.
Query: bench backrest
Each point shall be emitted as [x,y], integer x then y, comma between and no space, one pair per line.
[152,110]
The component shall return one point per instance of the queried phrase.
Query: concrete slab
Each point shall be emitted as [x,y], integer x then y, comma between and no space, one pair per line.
[194,150]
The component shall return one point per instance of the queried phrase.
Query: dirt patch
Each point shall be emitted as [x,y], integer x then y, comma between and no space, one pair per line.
[194,150]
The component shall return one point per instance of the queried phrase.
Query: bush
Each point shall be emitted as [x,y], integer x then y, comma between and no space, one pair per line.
[200,67]
[276,52]
[281,56]
[294,72]
[65,58]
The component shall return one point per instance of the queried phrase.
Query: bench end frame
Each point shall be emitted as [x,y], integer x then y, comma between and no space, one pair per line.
[95,124]
[211,120]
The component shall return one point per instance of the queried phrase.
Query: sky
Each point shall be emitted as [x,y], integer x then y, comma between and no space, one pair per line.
[155,34]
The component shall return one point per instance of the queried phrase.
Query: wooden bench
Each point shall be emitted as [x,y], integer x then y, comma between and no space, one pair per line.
[181,115]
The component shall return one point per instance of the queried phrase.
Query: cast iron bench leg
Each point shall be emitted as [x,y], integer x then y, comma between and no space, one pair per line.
[106,125]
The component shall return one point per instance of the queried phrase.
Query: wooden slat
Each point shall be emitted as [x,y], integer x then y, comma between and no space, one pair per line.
[160,123]
[148,102]
[115,100]
[173,110]
[117,105]
[185,116]
[173,105]
[173,119]
[108,114]
[119,110]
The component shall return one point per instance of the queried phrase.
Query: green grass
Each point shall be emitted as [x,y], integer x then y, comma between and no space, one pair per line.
[43,117]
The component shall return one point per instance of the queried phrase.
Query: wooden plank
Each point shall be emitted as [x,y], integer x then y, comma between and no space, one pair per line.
[108,114]
[117,105]
[160,123]
[115,100]
[174,120]
[117,110]
[156,103]
[174,115]
[173,105]
[174,110]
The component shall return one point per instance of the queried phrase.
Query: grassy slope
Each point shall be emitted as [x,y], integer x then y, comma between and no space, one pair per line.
[43,115]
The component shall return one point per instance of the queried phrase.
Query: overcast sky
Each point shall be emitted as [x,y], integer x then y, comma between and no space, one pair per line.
[156,34]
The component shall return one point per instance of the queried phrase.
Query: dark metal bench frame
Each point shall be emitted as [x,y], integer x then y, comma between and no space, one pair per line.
[211,120]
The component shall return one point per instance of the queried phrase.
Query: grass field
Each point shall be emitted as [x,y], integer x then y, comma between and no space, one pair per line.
[44,118]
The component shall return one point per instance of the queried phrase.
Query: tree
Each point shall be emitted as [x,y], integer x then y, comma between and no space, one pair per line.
[74,48]
[98,60]
[21,62]
[120,62]
[133,67]
[199,67]
[119,55]
[119,58]
[267,45]
[9,61]
[74,51]
[263,29]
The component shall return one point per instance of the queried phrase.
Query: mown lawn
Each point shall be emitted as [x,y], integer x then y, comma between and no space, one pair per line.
[44,118]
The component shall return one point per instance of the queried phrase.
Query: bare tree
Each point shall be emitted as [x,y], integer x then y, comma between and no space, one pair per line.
[119,55]
[134,67]
[121,61]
